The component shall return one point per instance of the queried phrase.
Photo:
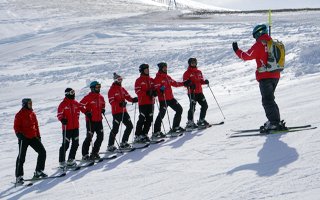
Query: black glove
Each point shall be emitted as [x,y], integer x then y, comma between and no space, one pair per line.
[235,46]
[162,89]
[149,93]
[64,121]
[38,138]
[206,81]
[20,136]
[135,100]
[187,83]
[88,114]
[154,93]
[192,86]
[103,111]
[123,104]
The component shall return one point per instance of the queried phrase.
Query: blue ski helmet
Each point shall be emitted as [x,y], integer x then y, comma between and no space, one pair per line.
[94,83]
[259,30]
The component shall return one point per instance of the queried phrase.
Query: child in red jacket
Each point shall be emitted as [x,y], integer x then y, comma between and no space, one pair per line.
[118,96]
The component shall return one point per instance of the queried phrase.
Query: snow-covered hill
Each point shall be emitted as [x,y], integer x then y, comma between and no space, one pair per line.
[48,46]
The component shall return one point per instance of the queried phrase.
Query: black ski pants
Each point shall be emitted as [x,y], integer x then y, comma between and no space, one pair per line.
[267,89]
[201,99]
[117,119]
[145,119]
[71,135]
[36,144]
[173,103]
[91,128]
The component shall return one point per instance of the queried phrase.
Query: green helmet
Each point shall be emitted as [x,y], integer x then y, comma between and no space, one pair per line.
[259,30]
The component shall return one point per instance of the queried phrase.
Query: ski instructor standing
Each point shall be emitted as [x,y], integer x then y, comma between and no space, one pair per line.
[267,80]
[27,131]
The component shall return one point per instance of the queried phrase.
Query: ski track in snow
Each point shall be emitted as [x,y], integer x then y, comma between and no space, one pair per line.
[46,47]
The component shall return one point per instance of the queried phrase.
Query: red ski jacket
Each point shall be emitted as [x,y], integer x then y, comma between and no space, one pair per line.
[163,79]
[116,95]
[94,103]
[142,85]
[26,122]
[259,52]
[195,76]
[70,109]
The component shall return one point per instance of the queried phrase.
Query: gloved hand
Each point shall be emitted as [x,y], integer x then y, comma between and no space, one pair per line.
[39,138]
[135,100]
[235,46]
[20,136]
[206,81]
[103,111]
[162,89]
[154,93]
[64,121]
[88,114]
[187,83]
[192,86]
[123,104]
[149,93]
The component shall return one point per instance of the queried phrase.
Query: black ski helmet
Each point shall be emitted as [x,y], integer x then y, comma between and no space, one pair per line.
[192,60]
[69,93]
[162,65]
[142,67]
[259,30]
[116,77]
[25,102]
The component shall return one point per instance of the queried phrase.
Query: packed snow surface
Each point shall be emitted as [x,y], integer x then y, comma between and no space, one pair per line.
[47,46]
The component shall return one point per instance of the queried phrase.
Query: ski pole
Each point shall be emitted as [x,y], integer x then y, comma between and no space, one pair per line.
[165,101]
[64,142]
[112,133]
[161,118]
[134,120]
[19,159]
[270,22]
[216,101]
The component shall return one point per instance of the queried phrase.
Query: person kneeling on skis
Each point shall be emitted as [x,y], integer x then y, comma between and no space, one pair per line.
[117,98]
[27,131]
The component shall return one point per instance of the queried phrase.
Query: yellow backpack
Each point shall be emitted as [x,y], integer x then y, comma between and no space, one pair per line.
[276,56]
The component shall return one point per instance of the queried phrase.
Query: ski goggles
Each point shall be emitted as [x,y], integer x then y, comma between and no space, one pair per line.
[71,92]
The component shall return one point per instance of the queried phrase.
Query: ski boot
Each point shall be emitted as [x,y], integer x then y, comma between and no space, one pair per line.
[39,174]
[94,156]
[19,180]
[85,158]
[62,165]
[125,145]
[71,163]
[202,123]
[191,125]
[111,148]
[157,135]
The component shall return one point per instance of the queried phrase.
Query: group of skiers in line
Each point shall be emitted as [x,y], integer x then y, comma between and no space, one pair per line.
[147,89]
[93,106]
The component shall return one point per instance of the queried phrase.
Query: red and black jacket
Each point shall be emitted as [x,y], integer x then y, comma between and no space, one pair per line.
[116,95]
[195,76]
[94,103]
[259,52]
[70,109]
[142,85]
[26,122]
[163,79]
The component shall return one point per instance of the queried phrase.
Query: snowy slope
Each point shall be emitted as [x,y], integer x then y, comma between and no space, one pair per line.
[48,46]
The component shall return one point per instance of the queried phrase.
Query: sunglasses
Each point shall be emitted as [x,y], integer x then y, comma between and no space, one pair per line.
[72,92]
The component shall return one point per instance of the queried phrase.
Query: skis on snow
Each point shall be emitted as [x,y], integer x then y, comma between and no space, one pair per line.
[256,132]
